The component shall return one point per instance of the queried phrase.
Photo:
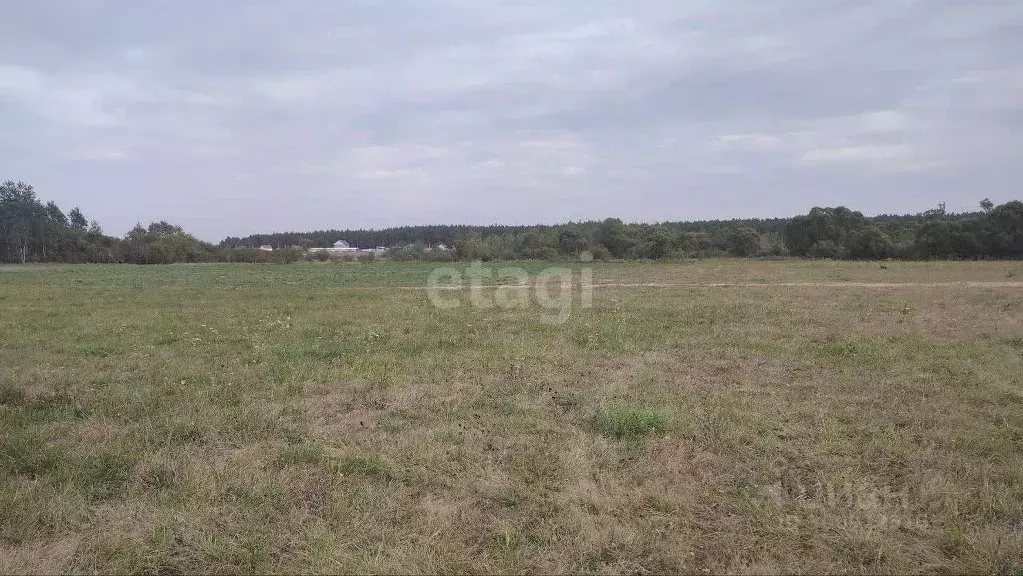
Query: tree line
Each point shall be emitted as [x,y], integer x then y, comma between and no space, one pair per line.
[31,231]
[993,232]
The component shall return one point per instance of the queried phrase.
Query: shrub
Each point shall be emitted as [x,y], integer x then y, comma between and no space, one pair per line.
[744,241]
[286,255]
[871,244]
[600,252]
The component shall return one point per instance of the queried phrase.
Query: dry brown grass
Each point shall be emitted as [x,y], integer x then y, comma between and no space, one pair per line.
[288,428]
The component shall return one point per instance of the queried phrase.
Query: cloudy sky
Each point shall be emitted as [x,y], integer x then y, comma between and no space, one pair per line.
[234,117]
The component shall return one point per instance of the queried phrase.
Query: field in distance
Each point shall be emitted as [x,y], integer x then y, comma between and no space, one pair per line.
[721,416]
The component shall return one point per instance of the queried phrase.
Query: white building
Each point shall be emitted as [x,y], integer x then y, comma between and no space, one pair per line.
[339,247]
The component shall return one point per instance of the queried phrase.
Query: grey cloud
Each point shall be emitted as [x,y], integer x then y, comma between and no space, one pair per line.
[234,117]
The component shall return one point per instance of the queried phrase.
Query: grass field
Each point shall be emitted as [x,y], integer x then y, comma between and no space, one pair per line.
[803,417]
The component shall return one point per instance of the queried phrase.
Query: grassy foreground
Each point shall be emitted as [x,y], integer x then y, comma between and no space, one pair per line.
[317,417]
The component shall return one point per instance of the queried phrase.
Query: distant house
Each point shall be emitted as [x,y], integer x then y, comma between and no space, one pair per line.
[344,248]
[339,247]
[266,248]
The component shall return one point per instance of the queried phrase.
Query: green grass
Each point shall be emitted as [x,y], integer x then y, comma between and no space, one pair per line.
[366,466]
[629,421]
[327,418]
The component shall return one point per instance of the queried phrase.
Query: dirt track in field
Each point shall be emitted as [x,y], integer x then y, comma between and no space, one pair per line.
[875,285]
[969,284]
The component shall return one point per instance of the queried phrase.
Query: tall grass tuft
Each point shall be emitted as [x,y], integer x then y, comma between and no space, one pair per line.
[625,422]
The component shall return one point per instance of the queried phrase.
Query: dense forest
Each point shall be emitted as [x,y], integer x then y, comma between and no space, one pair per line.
[31,231]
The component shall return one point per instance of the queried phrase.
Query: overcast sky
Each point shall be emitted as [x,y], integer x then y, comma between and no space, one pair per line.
[233,117]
